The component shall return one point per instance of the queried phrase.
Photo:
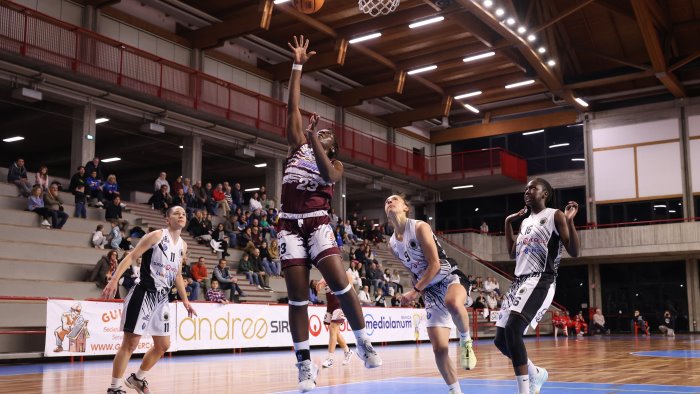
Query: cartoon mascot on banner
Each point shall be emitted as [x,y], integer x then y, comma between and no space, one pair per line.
[74,326]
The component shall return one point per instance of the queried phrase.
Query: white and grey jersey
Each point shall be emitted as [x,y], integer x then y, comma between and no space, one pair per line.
[161,263]
[538,247]
[409,251]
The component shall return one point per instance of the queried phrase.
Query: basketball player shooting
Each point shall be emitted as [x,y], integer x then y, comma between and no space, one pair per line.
[305,235]
[537,252]
[146,307]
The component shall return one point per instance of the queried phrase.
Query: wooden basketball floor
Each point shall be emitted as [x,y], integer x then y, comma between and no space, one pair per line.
[617,364]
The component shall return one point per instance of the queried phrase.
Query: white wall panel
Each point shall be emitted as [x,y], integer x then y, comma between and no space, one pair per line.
[129,35]
[165,49]
[613,172]
[28,3]
[443,160]
[658,130]
[181,55]
[72,13]
[50,7]
[694,125]
[148,42]
[108,27]
[695,166]
[659,169]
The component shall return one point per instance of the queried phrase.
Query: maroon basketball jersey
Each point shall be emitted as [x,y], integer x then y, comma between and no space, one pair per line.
[303,188]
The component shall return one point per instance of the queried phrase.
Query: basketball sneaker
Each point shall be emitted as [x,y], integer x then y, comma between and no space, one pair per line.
[467,357]
[140,385]
[328,363]
[307,375]
[115,391]
[348,357]
[537,380]
[367,354]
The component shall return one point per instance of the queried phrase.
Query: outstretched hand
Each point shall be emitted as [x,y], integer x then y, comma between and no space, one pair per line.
[516,215]
[299,50]
[311,128]
[571,210]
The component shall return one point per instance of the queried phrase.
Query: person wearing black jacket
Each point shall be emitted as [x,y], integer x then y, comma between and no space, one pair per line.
[668,325]
[113,213]
[17,174]
[77,179]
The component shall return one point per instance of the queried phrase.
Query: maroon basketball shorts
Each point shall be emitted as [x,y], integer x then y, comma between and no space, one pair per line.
[306,241]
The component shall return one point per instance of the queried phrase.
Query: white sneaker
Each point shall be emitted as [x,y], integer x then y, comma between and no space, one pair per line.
[99,204]
[348,357]
[307,375]
[367,354]
[536,381]
[467,357]
[45,223]
[328,363]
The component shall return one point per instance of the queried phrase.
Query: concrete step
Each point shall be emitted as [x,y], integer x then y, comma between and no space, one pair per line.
[22,233]
[46,288]
[37,251]
[45,270]
[18,313]
[25,218]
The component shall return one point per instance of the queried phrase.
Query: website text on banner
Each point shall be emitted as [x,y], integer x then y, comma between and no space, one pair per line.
[93,328]
[90,328]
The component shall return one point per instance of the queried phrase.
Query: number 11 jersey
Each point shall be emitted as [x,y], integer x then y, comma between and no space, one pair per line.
[303,188]
[161,263]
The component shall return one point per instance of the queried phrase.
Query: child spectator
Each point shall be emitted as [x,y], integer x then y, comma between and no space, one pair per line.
[98,238]
[640,323]
[380,299]
[215,294]
[80,201]
[36,205]
[42,178]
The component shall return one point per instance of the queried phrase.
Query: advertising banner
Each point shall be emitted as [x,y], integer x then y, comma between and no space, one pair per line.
[85,328]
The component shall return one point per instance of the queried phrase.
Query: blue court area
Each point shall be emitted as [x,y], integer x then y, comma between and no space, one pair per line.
[435,386]
[670,353]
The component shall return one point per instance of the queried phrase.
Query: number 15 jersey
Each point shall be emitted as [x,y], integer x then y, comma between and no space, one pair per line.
[303,188]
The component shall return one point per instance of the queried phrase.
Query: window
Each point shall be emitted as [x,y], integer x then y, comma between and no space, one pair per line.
[640,211]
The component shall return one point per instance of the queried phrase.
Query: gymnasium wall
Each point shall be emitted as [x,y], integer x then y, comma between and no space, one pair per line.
[60,9]
[636,154]
[694,135]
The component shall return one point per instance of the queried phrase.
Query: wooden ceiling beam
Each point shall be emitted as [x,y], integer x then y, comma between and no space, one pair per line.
[684,61]
[611,80]
[322,61]
[353,97]
[617,7]
[504,127]
[645,21]
[405,118]
[563,15]
[545,74]
[248,20]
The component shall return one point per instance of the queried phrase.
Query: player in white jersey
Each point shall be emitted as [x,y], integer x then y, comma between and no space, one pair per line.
[537,252]
[414,243]
[146,309]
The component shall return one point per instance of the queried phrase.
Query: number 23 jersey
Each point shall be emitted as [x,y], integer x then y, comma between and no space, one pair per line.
[409,251]
[303,188]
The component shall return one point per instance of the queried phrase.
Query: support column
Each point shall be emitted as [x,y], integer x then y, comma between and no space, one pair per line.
[192,158]
[83,136]
[273,180]
[692,284]
[338,203]
[595,294]
[90,17]
[686,174]
[196,59]
[591,211]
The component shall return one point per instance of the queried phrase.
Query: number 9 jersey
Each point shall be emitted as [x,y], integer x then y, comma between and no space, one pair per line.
[303,188]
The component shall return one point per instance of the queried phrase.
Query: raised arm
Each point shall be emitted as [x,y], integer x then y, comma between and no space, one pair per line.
[295,130]
[331,171]
[144,244]
[567,231]
[510,237]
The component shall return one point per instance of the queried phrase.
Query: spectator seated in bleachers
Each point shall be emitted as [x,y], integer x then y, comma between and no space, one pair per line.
[349,234]
[396,300]
[491,300]
[41,178]
[226,281]
[117,240]
[211,204]
[197,228]
[376,277]
[559,323]
[98,238]
[491,285]
[639,322]
[380,298]
[192,287]
[200,196]
[161,199]
[274,256]
[177,186]
[180,200]
[254,202]
[17,175]
[110,189]
[313,293]
[160,182]
[245,266]
[266,227]
[231,230]
[480,301]
[94,165]
[132,276]
[54,203]
[113,213]
[215,294]
[580,324]
[363,296]
[77,179]
[599,323]
[268,266]
[36,205]
[668,325]
[256,262]
[245,240]
[201,276]
[220,199]
[80,199]
[354,274]
[219,235]
[95,186]
[104,268]
[396,281]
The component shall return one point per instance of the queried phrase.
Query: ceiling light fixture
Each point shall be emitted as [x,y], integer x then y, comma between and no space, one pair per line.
[252,189]
[261,165]
[510,21]
[559,145]
[422,69]
[551,63]
[531,37]
[365,38]
[469,107]
[522,30]
[487,3]
[111,159]
[182,146]
[479,56]
[470,94]
[462,187]
[575,125]
[581,101]
[521,83]
[660,206]
[533,132]
[13,139]
[426,22]
[101,120]
[541,49]
[281,1]
[500,12]
[578,159]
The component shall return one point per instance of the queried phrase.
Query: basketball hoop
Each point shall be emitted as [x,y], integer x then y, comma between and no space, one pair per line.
[378,7]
